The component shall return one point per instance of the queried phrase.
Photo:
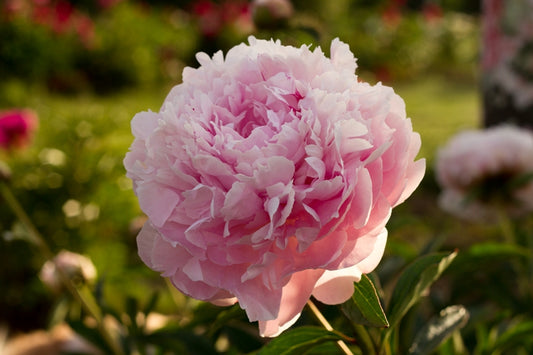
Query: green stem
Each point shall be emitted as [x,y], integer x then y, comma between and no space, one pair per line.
[511,237]
[385,348]
[366,343]
[35,237]
[529,241]
[506,227]
[342,345]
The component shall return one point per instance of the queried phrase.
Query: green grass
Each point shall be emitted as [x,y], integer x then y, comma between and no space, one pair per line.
[439,108]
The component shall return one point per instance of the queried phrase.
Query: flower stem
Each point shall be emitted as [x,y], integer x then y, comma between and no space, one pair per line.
[506,227]
[342,345]
[35,237]
[511,236]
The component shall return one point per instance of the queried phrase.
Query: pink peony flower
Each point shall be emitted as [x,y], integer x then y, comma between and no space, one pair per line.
[72,264]
[268,176]
[16,127]
[485,172]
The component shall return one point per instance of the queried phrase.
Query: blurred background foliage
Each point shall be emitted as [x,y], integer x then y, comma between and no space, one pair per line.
[87,66]
[107,45]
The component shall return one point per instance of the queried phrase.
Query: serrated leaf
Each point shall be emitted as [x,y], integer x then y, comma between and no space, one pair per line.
[364,307]
[439,329]
[414,281]
[297,341]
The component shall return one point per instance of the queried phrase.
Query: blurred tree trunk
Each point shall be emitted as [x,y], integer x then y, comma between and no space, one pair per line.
[507,62]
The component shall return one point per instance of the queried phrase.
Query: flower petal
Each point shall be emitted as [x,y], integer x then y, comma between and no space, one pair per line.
[294,297]
[336,286]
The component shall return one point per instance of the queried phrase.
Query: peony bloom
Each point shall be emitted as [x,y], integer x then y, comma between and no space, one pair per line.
[16,127]
[268,177]
[72,264]
[485,172]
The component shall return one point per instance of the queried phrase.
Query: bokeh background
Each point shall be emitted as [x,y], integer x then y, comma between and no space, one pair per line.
[87,66]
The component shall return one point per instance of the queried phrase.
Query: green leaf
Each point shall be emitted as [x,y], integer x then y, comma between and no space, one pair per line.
[438,329]
[152,302]
[224,317]
[92,335]
[180,341]
[297,341]
[488,255]
[132,307]
[88,299]
[364,306]
[491,250]
[414,281]
[244,338]
[521,180]
[517,335]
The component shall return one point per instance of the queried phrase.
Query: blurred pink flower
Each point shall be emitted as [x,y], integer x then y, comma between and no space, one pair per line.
[209,17]
[272,13]
[268,176]
[106,4]
[432,12]
[13,8]
[72,264]
[16,127]
[483,172]
[63,18]
[213,17]
[85,29]
[392,14]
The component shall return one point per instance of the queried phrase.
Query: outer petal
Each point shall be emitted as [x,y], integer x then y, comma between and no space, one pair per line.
[143,124]
[222,302]
[157,201]
[336,286]
[145,243]
[294,297]
[412,180]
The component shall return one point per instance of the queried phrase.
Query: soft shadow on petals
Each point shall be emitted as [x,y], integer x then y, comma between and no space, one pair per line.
[294,297]
[336,286]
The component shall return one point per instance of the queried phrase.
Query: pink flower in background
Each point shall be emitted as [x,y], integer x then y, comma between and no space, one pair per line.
[271,13]
[72,264]
[432,12]
[392,14]
[85,29]
[213,17]
[209,18]
[106,4]
[482,172]
[16,127]
[268,176]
